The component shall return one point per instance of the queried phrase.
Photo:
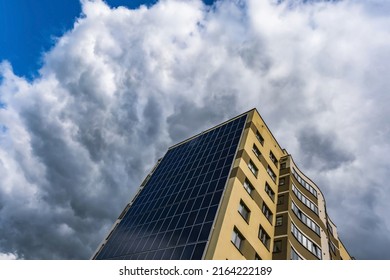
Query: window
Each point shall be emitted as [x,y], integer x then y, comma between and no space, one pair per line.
[330,229]
[306,242]
[277,246]
[244,211]
[332,247]
[281,181]
[283,165]
[267,213]
[271,173]
[305,219]
[304,199]
[279,221]
[237,239]
[273,158]
[304,183]
[269,191]
[256,151]
[260,138]
[248,186]
[295,256]
[264,237]
[281,199]
[253,168]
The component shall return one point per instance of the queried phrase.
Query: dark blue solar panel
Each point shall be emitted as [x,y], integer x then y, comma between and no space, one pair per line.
[173,215]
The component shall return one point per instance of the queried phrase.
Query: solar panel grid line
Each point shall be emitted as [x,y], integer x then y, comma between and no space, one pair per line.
[174,213]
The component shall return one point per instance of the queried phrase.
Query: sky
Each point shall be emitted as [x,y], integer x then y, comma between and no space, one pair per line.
[93,93]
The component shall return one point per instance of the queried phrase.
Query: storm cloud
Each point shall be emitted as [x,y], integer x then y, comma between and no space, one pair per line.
[320,150]
[123,85]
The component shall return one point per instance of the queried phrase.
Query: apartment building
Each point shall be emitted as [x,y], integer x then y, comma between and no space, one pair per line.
[228,193]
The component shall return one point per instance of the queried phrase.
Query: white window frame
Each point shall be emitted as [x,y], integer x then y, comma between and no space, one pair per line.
[269,191]
[271,173]
[273,158]
[252,167]
[279,221]
[264,237]
[237,238]
[256,151]
[306,242]
[244,211]
[248,186]
[267,212]
[260,138]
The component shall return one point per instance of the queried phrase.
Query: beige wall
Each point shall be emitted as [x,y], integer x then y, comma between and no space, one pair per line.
[220,245]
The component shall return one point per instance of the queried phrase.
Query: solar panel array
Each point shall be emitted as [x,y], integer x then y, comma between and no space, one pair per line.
[172,216]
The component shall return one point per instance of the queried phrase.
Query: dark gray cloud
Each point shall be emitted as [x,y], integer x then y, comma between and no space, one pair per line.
[364,226]
[122,86]
[321,150]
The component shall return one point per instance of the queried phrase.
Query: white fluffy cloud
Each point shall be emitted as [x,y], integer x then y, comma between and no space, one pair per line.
[8,256]
[123,85]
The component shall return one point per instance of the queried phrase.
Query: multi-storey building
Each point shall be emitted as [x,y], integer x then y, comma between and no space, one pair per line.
[230,192]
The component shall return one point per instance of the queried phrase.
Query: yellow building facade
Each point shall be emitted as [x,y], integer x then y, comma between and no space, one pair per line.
[209,198]
[284,214]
